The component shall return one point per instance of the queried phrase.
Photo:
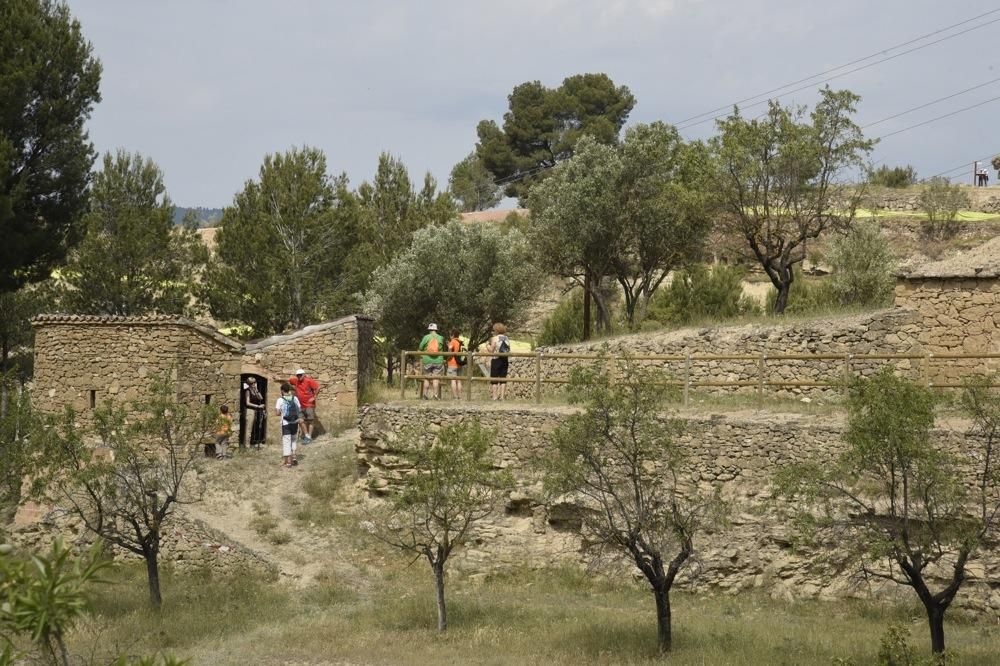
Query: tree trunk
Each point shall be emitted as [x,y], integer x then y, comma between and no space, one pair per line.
[935,618]
[586,306]
[388,368]
[153,574]
[4,395]
[781,302]
[663,619]
[439,588]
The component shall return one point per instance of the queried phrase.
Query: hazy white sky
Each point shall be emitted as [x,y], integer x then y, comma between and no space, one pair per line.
[207,87]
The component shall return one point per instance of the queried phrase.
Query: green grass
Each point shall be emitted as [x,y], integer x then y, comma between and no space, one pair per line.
[522,617]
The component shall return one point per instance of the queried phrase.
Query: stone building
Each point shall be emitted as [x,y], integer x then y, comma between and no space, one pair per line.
[81,361]
[956,306]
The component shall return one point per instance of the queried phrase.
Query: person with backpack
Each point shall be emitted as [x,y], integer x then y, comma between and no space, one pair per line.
[499,365]
[289,409]
[455,364]
[433,362]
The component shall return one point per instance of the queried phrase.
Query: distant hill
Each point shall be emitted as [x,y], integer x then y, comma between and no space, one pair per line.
[207,217]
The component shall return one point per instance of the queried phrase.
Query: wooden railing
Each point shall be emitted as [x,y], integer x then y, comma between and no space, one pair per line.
[685,380]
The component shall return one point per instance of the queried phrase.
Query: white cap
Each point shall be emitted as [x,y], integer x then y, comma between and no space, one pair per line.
[432,327]
[300,371]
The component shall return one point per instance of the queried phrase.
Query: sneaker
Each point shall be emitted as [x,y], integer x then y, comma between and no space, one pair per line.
[307,440]
[295,462]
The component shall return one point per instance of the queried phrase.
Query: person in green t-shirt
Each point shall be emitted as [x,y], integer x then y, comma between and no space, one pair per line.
[433,344]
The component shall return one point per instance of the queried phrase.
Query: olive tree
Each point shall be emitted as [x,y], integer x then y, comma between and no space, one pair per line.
[453,486]
[781,180]
[621,457]
[900,504]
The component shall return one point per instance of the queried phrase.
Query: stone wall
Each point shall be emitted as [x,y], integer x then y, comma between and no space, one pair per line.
[983,199]
[337,354]
[736,454]
[883,332]
[82,361]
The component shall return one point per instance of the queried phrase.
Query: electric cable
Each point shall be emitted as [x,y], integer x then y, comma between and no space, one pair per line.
[834,69]
[931,103]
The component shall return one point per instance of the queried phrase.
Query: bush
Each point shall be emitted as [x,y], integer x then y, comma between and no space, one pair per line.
[807,295]
[697,293]
[895,177]
[863,265]
[565,324]
[941,201]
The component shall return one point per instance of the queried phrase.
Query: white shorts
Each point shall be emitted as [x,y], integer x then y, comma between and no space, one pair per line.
[288,444]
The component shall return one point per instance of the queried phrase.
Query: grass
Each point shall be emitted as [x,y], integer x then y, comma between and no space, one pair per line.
[558,616]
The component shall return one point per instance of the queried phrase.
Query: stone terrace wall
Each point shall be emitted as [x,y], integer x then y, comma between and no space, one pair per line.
[737,454]
[80,360]
[888,331]
[337,354]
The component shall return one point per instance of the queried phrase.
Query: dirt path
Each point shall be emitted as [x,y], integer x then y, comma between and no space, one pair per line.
[264,506]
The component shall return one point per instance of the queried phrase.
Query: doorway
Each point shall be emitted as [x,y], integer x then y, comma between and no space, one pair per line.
[253,422]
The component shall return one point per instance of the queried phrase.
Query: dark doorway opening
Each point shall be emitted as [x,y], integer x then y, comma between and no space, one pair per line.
[253,422]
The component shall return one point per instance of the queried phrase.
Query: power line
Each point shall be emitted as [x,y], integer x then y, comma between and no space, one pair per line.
[834,69]
[947,115]
[850,71]
[931,103]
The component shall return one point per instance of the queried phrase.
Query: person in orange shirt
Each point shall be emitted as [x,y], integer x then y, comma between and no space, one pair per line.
[455,364]
[223,429]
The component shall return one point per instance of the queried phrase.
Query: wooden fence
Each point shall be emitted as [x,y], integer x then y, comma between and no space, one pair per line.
[761,382]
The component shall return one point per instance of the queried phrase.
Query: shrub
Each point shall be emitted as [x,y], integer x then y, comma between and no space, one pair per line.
[698,292]
[895,177]
[863,265]
[565,324]
[807,295]
[941,201]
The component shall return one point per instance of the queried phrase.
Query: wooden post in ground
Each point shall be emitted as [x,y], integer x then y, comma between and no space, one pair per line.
[687,379]
[538,378]
[760,380]
[847,373]
[470,363]
[402,375]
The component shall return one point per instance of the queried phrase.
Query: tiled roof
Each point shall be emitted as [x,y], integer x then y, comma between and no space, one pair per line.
[303,332]
[139,320]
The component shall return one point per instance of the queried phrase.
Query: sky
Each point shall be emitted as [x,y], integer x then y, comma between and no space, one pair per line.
[207,88]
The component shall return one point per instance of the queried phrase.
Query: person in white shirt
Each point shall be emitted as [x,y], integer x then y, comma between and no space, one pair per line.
[289,409]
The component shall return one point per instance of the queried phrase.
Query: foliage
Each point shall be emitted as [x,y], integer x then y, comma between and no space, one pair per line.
[779,180]
[42,598]
[543,125]
[455,485]
[472,185]
[132,259]
[16,333]
[50,83]
[17,424]
[863,266]
[895,177]
[941,200]
[457,275]
[901,504]
[633,213]
[282,246]
[127,494]
[621,456]
[699,292]
[565,323]
[807,295]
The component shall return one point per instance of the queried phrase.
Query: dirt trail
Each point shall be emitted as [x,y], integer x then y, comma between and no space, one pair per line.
[253,485]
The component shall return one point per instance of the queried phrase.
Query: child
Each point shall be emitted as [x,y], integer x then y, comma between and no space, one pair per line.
[454,364]
[224,428]
[289,409]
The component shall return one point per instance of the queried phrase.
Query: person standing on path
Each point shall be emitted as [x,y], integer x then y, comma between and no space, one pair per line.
[253,401]
[499,365]
[433,362]
[289,409]
[306,389]
[454,367]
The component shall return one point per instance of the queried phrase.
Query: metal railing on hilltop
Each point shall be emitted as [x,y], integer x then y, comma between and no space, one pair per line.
[686,381]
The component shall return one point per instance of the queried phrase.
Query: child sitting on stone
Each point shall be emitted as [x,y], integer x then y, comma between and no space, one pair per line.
[224,428]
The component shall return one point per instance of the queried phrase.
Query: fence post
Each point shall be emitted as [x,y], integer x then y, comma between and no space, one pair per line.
[927,369]
[687,379]
[847,372]
[470,364]
[538,378]
[760,379]
[402,375]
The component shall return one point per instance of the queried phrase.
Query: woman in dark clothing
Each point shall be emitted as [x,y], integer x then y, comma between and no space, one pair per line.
[499,365]
[253,400]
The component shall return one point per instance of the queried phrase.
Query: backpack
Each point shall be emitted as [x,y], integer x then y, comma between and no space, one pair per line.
[504,345]
[432,345]
[291,410]
[461,360]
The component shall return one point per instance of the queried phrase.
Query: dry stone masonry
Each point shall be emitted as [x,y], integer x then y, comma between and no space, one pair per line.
[738,454]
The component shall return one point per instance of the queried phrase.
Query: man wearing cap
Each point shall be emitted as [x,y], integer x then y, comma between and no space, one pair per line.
[433,344]
[306,390]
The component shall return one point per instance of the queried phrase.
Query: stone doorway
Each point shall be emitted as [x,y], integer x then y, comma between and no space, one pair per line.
[253,423]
